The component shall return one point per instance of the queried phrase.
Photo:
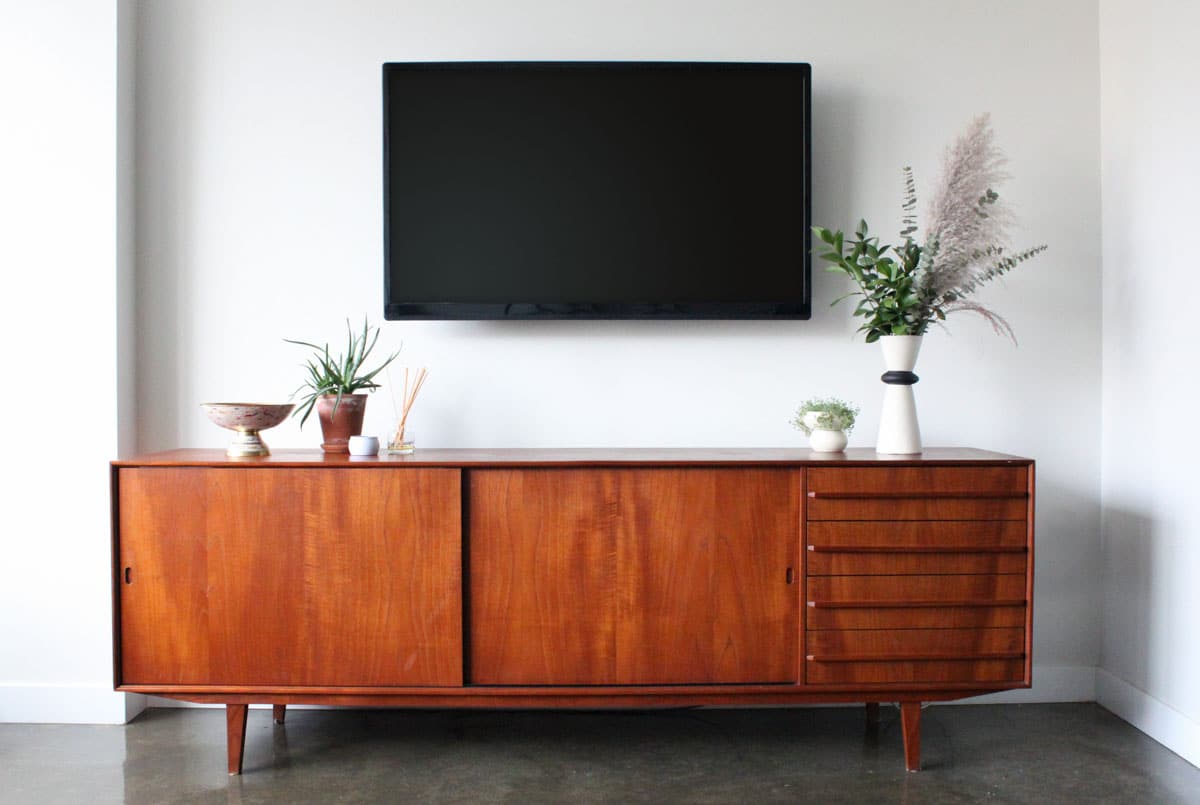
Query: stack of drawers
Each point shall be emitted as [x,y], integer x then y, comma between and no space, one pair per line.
[918,575]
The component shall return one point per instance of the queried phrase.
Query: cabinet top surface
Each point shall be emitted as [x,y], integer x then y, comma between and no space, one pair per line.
[575,456]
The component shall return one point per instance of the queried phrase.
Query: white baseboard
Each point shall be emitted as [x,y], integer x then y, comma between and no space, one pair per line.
[1051,683]
[159,701]
[67,704]
[1160,721]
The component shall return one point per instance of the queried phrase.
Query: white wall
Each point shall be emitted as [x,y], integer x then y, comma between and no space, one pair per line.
[59,252]
[1150,662]
[258,178]
[257,198]
[259,218]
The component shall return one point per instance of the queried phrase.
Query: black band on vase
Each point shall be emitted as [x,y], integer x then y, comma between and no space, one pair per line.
[899,378]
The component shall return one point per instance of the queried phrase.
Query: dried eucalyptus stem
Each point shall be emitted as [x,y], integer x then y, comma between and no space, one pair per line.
[906,288]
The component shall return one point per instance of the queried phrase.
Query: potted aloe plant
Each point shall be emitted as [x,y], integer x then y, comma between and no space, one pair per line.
[336,387]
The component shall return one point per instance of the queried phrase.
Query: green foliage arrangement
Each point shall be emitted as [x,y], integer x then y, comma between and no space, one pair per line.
[832,414]
[905,288]
[342,375]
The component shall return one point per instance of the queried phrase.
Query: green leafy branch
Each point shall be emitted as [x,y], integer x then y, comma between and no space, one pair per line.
[904,288]
[886,276]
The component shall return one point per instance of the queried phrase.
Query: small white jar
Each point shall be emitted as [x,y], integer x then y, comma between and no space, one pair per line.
[364,445]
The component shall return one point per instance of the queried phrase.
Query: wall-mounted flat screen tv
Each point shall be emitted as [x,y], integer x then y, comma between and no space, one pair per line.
[596,190]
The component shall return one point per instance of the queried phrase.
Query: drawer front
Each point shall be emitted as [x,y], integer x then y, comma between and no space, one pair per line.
[892,672]
[924,617]
[916,644]
[877,547]
[918,535]
[916,655]
[903,506]
[918,480]
[915,628]
[917,575]
[840,563]
[849,592]
[918,493]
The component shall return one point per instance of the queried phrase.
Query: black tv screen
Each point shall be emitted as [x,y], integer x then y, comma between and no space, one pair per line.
[596,190]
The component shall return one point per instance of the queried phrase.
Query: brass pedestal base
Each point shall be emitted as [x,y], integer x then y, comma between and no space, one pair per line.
[247,444]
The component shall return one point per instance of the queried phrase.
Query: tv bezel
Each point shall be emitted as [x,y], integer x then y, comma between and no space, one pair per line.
[458,311]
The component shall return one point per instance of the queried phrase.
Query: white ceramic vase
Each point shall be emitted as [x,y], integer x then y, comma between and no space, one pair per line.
[899,432]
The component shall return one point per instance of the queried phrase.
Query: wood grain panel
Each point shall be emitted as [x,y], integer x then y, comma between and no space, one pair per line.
[257,594]
[295,576]
[542,576]
[235,735]
[910,725]
[712,599]
[918,508]
[917,480]
[596,578]
[918,534]
[161,575]
[363,577]
[899,590]
[635,576]
[582,457]
[863,563]
[524,696]
[900,673]
[388,596]
[914,618]
[913,643]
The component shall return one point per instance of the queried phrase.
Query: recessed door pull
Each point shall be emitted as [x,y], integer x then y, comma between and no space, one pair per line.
[129,575]
[789,575]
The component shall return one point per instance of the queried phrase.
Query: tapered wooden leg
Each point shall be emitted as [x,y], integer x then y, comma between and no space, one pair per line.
[872,714]
[279,712]
[235,735]
[910,722]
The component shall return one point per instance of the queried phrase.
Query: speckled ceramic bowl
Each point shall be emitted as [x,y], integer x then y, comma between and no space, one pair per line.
[247,419]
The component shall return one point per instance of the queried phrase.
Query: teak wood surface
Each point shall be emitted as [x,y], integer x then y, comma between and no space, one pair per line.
[924,644]
[572,578]
[578,456]
[290,577]
[618,577]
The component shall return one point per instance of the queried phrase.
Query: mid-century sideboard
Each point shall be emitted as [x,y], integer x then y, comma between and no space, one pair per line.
[572,578]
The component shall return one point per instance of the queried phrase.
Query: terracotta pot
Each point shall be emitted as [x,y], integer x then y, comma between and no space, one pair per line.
[348,421]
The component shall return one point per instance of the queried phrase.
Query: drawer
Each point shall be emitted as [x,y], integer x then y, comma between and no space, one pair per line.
[914,592]
[904,506]
[893,672]
[923,617]
[918,493]
[918,480]
[916,644]
[838,562]
[917,535]
[916,547]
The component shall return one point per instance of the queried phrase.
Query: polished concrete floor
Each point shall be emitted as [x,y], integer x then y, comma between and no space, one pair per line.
[1062,753]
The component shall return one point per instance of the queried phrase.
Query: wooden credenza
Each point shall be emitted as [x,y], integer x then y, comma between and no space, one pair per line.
[572,578]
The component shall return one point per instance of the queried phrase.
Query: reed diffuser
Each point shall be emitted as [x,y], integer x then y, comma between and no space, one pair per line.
[402,440]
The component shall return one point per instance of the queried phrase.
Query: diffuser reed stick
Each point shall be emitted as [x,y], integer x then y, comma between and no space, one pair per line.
[413,381]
